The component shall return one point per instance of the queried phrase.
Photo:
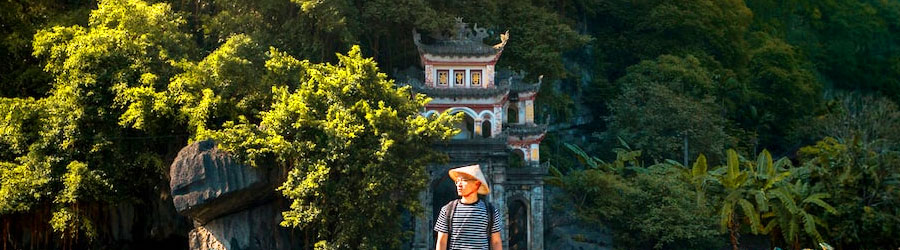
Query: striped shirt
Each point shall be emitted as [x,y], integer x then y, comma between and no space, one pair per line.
[469,225]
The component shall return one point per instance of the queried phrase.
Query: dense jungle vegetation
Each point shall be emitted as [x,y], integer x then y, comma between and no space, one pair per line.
[693,122]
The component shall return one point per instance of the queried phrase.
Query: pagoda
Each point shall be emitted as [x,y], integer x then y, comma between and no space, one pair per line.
[498,131]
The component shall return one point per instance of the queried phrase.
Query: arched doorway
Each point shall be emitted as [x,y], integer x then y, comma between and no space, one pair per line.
[486,129]
[466,127]
[518,225]
[443,191]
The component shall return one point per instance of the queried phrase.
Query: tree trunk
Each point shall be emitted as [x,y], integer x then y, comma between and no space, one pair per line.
[733,227]
[686,151]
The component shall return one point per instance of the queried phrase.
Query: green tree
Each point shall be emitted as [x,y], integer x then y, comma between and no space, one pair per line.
[783,87]
[796,208]
[856,164]
[130,81]
[22,73]
[345,135]
[666,105]
[852,44]
[644,207]
[737,195]
[67,151]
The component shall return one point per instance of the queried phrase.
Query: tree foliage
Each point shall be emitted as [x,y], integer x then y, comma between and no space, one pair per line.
[666,103]
[345,134]
[134,79]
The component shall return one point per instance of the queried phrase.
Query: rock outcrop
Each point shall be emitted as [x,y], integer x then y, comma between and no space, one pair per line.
[233,206]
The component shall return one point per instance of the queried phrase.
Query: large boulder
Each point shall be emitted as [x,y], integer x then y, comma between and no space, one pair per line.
[233,206]
[207,183]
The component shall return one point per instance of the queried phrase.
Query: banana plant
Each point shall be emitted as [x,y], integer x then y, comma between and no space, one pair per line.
[698,175]
[737,189]
[794,213]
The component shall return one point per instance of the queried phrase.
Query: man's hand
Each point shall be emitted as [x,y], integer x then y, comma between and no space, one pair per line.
[441,241]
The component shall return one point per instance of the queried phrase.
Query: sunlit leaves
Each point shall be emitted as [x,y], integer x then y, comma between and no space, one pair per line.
[345,132]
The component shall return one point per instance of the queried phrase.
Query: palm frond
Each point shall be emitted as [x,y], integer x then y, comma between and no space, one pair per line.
[817,199]
[733,164]
[623,143]
[774,180]
[762,202]
[725,214]
[786,200]
[772,224]
[581,156]
[809,227]
[750,213]
[764,164]
[698,172]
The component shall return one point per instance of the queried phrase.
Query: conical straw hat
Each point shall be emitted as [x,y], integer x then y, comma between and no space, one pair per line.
[472,171]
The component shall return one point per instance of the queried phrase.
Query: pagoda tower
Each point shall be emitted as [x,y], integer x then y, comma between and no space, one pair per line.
[498,132]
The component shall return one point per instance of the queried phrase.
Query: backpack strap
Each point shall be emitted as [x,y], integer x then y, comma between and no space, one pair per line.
[449,215]
[490,219]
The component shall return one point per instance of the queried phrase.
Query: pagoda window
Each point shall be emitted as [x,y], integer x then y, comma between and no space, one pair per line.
[512,114]
[459,78]
[443,77]
[476,77]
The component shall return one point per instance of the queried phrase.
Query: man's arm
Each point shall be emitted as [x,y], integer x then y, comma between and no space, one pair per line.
[441,241]
[496,242]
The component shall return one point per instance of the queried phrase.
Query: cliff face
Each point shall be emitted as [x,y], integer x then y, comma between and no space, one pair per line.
[232,206]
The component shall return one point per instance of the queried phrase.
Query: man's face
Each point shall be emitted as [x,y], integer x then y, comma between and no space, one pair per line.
[466,184]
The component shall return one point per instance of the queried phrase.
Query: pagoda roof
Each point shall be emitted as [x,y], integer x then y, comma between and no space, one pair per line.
[517,83]
[525,129]
[462,42]
[458,48]
[505,82]
[419,87]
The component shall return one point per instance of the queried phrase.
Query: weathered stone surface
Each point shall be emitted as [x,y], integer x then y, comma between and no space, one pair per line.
[207,183]
[255,228]
[233,206]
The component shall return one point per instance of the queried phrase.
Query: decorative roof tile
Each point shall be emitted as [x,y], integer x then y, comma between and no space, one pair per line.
[419,87]
[461,42]
[525,129]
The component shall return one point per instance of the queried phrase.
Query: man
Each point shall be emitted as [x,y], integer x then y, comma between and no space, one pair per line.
[468,217]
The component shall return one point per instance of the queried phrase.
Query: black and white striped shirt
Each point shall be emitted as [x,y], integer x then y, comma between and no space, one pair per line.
[469,225]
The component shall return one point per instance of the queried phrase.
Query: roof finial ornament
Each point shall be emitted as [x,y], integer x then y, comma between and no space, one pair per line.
[462,29]
[480,33]
[503,38]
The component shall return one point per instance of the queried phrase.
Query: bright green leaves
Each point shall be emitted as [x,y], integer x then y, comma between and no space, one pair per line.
[230,83]
[79,184]
[346,133]
[66,150]
[22,186]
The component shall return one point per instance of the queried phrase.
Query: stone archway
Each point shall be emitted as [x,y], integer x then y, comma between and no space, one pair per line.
[518,225]
[443,190]
[466,127]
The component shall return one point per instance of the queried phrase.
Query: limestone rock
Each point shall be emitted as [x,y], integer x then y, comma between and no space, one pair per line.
[207,183]
[255,228]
